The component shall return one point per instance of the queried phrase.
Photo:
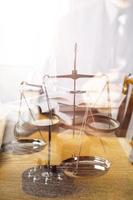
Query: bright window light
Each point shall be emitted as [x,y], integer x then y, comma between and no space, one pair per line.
[26,30]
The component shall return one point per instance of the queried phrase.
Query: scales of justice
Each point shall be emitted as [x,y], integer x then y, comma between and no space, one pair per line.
[54,179]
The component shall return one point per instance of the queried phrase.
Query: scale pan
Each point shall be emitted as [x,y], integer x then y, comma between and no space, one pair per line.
[102,123]
[85,166]
[24,146]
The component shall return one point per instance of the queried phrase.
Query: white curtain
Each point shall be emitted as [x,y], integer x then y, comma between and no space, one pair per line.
[39,35]
[103,32]
[27,29]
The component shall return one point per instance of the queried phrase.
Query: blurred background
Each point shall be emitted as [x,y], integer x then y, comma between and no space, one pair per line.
[37,37]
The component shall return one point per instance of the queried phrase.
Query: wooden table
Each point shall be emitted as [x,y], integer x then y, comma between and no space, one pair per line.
[116,184]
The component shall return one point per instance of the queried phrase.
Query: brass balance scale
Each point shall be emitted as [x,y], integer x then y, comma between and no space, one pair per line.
[54,178]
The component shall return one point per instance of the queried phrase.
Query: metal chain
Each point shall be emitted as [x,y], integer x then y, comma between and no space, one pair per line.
[31,113]
[91,113]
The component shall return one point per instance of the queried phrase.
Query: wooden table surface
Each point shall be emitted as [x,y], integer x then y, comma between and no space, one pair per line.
[116,184]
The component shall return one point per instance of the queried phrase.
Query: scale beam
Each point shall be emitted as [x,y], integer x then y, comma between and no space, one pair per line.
[73,76]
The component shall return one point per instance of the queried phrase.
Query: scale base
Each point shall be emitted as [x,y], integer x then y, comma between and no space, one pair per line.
[24,146]
[50,182]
